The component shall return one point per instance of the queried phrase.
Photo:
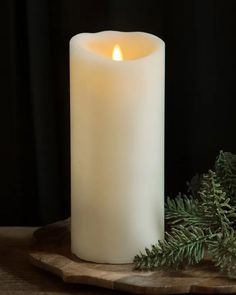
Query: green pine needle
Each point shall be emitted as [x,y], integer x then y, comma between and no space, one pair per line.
[203,220]
[185,211]
[182,246]
[225,167]
[215,205]
[223,252]
[194,185]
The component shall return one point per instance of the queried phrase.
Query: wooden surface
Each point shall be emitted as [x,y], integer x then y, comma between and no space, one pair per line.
[19,277]
[51,251]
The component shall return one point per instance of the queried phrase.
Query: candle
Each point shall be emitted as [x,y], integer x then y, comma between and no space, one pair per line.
[117,144]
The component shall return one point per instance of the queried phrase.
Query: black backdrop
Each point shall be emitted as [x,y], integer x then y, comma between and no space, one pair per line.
[200,41]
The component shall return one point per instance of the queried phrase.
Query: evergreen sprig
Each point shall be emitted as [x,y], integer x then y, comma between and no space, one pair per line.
[184,211]
[194,185]
[223,252]
[225,167]
[215,204]
[181,246]
[202,221]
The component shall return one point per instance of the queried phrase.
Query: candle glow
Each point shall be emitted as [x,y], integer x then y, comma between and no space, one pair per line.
[117,53]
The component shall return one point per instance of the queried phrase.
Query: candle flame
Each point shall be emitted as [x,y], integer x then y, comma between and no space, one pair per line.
[117,53]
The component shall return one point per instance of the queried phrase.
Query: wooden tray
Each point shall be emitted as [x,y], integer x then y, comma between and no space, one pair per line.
[51,251]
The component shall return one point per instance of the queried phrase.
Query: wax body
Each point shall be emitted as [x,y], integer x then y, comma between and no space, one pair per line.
[117,147]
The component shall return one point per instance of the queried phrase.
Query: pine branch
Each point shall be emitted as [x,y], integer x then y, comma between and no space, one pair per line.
[185,211]
[183,246]
[194,185]
[225,167]
[223,252]
[215,205]
[203,220]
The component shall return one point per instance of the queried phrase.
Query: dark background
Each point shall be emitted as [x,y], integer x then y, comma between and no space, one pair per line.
[200,41]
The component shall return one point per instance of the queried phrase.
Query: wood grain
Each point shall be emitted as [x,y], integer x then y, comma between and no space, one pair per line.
[51,251]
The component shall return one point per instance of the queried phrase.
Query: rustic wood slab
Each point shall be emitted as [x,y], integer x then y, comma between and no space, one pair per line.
[50,251]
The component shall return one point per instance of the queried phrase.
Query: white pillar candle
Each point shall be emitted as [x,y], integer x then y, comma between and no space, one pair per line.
[117,144]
